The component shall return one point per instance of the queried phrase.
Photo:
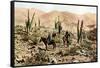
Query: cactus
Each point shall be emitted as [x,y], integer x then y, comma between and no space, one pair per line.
[39,22]
[55,25]
[28,23]
[35,24]
[79,31]
[58,26]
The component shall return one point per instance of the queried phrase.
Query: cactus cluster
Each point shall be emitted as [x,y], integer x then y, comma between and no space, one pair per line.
[79,31]
[28,22]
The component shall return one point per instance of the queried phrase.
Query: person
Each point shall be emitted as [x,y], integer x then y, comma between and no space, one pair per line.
[66,38]
[49,38]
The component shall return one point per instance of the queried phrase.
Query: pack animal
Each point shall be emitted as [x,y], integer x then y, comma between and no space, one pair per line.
[48,41]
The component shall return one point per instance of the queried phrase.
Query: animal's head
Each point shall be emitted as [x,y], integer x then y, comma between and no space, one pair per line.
[40,39]
[54,34]
[66,32]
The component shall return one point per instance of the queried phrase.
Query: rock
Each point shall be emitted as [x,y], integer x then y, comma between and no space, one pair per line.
[76,61]
[82,52]
[60,60]
[53,60]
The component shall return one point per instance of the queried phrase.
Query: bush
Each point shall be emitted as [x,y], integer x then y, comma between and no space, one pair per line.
[41,57]
[86,44]
[73,50]
[19,29]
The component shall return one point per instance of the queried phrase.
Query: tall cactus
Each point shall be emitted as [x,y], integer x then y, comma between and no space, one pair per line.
[35,25]
[28,23]
[58,26]
[39,23]
[79,31]
[55,25]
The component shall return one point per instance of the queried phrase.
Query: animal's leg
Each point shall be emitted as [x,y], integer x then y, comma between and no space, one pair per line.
[46,46]
[67,43]
[54,45]
[64,43]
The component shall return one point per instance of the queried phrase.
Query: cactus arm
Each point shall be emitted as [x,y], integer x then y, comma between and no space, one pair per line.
[78,31]
[30,22]
[32,17]
[81,29]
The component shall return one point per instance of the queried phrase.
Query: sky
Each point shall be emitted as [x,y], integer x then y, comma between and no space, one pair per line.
[52,7]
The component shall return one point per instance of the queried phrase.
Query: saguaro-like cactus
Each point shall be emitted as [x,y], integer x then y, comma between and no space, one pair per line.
[55,25]
[39,23]
[79,31]
[58,26]
[28,22]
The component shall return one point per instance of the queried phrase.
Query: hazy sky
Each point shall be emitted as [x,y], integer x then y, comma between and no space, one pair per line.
[51,7]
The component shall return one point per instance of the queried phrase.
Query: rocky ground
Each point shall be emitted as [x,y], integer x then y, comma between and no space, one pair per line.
[28,53]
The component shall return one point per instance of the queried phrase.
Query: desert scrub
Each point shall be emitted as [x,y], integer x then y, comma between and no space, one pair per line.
[91,35]
[62,53]
[86,44]
[30,60]
[41,57]
[19,29]
[73,50]
[56,39]
[24,37]
[35,37]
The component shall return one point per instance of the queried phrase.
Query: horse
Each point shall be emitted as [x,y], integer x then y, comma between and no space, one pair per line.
[48,41]
[52,42]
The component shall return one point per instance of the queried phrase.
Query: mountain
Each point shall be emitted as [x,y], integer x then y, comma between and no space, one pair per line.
[21,14]
[89,20]
[68,20]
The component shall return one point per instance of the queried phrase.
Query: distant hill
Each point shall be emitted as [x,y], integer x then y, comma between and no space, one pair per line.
[21,14]
[68,20]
